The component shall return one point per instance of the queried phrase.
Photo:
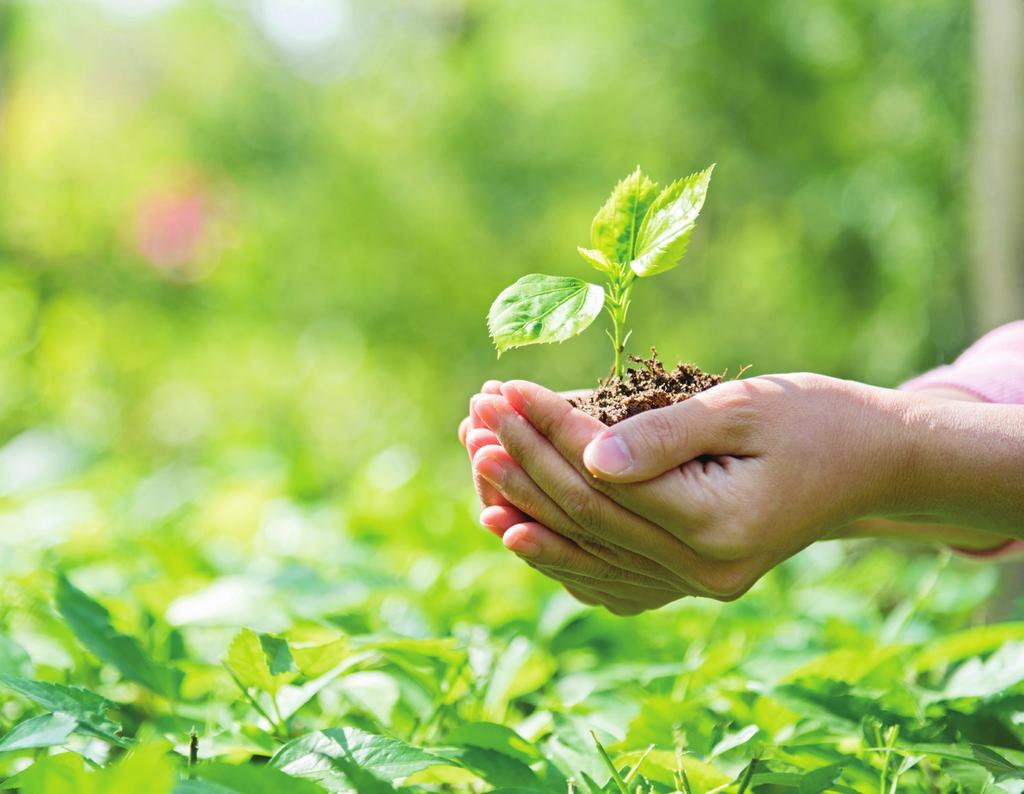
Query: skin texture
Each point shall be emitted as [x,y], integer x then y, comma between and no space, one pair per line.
[703,497]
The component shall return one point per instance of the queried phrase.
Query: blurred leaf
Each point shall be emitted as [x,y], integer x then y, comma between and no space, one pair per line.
[87,708]
[492,736]
[666,229]
[248,659]
[13,658]
[970,642]
[90,622]
[312,756]
[219,778]
[46,730]
[539,309]
[733,740]
[616,225]
[978,678]
[279,658]
[56,774]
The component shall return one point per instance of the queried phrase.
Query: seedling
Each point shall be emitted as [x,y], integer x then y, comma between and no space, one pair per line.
[641,231]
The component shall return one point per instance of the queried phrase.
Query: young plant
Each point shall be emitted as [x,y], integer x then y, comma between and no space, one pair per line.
[639,232]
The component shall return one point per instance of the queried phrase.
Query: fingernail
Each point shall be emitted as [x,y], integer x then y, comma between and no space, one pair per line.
[492,471]
[607,455]
[515,396]
[487,413]
[522,546]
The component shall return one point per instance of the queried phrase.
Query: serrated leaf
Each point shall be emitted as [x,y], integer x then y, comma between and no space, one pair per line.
[46,730]
[615,227]
[250,662]
[1001,767]
[311,756]
[595,259]
[668,225]
[540,309]
[87,708]
[90,623]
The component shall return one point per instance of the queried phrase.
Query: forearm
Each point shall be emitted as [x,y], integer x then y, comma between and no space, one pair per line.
[961,464]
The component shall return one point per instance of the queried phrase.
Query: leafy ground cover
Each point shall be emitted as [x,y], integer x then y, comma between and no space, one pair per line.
[846,670]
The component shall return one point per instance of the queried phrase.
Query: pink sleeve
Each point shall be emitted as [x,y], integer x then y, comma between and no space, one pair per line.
[993,370]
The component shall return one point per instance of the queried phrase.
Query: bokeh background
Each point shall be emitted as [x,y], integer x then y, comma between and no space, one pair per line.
[246,252]
[259,239]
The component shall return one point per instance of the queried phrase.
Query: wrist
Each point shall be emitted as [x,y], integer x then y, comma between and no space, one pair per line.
[959,463]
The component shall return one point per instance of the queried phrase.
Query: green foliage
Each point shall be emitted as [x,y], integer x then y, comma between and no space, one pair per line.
[256,431]
[639,232]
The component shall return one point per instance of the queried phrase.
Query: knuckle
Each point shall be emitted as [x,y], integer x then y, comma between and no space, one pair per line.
[662,432]
[580,505]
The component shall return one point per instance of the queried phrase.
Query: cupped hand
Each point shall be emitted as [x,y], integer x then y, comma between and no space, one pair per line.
[699,498]
[593,580]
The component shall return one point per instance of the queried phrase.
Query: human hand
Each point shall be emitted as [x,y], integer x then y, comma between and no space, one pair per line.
[701,497]
[594,581]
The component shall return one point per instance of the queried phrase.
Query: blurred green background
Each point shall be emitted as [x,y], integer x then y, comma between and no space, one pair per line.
[246,250]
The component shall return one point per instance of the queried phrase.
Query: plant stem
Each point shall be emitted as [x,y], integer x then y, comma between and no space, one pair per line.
[620,285]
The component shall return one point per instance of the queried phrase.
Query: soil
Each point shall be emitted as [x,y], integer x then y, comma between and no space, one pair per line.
[646,386]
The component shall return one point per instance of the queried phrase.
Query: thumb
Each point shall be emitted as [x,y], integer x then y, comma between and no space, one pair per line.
[650,444]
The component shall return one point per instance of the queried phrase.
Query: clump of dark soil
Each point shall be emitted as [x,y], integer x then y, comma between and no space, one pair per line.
[644,387]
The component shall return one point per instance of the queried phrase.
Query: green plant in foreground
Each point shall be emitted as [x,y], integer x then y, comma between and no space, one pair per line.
[640,231]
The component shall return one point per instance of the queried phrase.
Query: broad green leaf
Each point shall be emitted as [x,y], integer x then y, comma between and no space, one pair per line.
[492,736]
[666,229]
[311,756]
[149,768]
[596,259]
[615,227]
[55,774]
[540,309]
[733,740]
[46,730]
[220,778]
[90,623]
[978,678]
[963,644]
[248,660]
[315,660]
[660,764]
[87,708]
[496,768]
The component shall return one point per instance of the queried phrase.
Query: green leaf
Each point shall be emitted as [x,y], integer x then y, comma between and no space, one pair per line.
[666,229]
[496,768]
[311,756]
[977,678]
[491,736]
[55,774]
[595,259]
[220,778]
[1000,766]
[46,730]
[249,660]
[13,658]
[87,708]
[279,658]
[90,623]
[615,227]
[540,309]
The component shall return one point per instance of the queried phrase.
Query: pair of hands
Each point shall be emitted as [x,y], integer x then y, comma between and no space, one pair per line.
[699,498]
